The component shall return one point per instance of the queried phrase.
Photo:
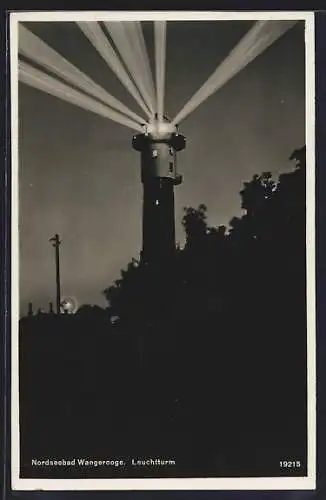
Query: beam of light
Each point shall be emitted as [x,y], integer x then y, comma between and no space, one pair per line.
[50,85]
[39,52]
[135,34]
[128,54]
[160,55]
[97,37]
[255,41]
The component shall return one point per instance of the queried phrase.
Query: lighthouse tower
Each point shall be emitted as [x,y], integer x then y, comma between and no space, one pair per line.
[159,145]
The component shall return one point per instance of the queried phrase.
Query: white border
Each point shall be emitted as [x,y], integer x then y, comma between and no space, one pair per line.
[276,483]
[154,15]
[310,244]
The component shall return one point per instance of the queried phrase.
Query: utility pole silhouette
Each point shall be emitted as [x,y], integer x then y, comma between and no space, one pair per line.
[30,309]
[56,244]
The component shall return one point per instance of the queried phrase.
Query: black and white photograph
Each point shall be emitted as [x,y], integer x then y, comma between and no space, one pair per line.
[163,242]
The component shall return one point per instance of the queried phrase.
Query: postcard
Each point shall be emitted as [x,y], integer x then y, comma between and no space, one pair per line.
[163,250]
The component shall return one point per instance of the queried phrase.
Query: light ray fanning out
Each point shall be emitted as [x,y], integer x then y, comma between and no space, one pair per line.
[41,81]
[160,56]
[256,41]
[135,33]
[95,34]
[128,54]
[39,52]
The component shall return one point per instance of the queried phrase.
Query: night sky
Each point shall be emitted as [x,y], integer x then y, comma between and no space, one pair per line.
[79,176]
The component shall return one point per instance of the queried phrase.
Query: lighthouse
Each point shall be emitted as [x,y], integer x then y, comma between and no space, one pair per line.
[158,145]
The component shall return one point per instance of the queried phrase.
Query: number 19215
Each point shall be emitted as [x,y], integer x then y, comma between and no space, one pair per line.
[290,464]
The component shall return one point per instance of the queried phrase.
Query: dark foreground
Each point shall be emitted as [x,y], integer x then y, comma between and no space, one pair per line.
[168,396]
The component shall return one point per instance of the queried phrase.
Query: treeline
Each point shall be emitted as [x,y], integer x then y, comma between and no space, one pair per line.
[210,344]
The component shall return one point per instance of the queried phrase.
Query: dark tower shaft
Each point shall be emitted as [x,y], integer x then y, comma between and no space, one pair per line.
[158,219]
[56,244]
